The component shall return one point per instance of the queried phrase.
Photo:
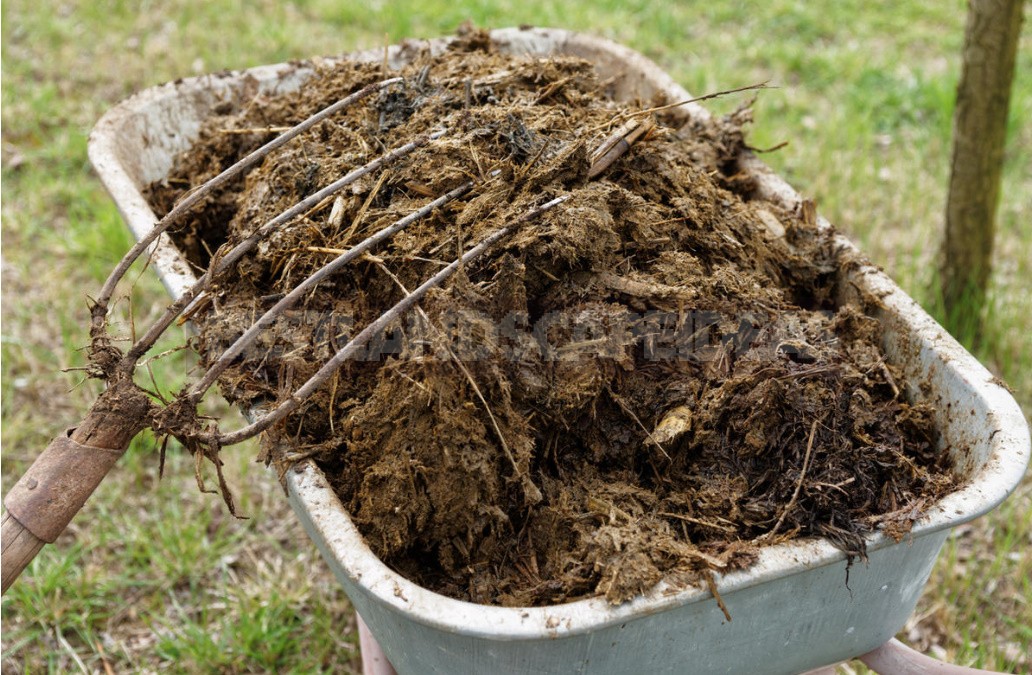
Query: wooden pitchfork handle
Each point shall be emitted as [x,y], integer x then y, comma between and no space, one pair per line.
[54,489]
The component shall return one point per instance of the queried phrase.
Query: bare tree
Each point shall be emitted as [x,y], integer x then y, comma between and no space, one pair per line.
[979,133]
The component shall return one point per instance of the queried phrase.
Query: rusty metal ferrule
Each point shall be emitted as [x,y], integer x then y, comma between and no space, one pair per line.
[57,485]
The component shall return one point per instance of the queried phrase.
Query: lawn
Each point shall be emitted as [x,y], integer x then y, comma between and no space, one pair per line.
[155,575]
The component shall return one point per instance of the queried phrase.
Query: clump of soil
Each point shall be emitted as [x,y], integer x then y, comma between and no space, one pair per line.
[649,381]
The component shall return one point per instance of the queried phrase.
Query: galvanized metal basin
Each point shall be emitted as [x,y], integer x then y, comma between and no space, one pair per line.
[796,609]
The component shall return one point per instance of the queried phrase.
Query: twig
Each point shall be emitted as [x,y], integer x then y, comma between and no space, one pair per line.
[617,143]
[712,585]
[552,88]
[154,381]
[799,485]
[103,658]
[838,486]
[325,249]
[806,373]
[167,352]
[255,130]
[365,207]
[333,398]
[318,207]
[706,97]
[773,148]
[697,521]
[626,409]
[668,106]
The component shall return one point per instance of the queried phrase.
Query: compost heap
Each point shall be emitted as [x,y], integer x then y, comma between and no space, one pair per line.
[647,382]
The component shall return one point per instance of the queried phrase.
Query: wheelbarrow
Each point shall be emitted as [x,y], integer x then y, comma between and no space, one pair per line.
[799,607]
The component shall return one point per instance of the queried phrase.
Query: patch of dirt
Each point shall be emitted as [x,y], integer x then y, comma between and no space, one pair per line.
[649,381]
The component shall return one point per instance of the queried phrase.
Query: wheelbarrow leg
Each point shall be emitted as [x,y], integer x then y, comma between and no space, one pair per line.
[374,661]
[896,657]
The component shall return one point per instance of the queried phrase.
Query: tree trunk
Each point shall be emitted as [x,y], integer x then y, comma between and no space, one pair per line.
[979,132]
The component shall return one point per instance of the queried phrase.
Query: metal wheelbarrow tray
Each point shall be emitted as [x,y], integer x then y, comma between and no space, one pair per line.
[794,609]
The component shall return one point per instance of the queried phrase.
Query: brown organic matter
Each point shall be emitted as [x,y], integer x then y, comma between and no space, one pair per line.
[650,381]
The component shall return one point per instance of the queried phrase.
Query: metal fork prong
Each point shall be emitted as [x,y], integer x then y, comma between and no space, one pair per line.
[242,248]
[346,352]
[194,196]
[220,263]
[266,321]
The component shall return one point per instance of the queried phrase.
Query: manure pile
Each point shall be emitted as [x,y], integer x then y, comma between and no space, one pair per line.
[651,380]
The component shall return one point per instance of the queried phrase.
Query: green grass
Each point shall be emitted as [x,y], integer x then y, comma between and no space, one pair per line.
[155,575]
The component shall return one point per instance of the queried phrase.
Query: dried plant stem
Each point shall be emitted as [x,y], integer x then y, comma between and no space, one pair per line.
[799,485]
[351,348]
[256,130]
[365,207]
[648,434]
[711,583]
[705,97]
[325,249]
[697,521]
[669,106]
[618,143]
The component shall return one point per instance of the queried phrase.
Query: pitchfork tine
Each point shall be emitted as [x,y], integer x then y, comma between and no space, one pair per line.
[330,268]
[347,351]
[104,297]
[221,263]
